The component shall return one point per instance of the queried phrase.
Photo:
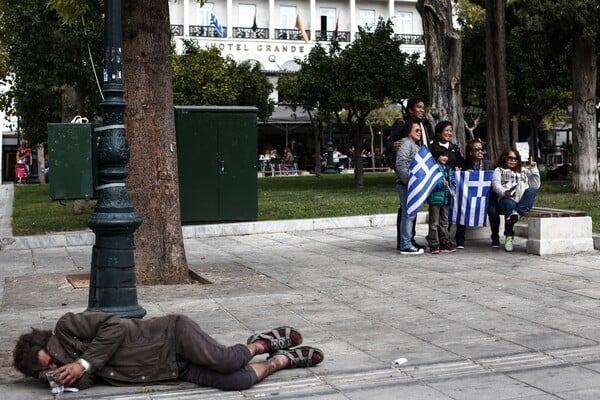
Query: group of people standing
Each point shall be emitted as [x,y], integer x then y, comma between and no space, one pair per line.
[513,186]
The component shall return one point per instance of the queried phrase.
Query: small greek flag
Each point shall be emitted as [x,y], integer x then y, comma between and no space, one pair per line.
[214,21]
[471,200]
[423,175]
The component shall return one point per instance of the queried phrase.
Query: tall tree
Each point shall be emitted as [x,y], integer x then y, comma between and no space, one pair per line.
[373,69]
[495,69]
[444,64]
[575,25]
[345,85]
[313,88]
[471,21]
[204,77]
[153,181]
[48,59]
[538,75]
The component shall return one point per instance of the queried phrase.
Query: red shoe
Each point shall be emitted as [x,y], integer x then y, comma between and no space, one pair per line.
[447,247]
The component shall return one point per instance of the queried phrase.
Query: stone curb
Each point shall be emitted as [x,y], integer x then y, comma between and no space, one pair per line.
[86,238]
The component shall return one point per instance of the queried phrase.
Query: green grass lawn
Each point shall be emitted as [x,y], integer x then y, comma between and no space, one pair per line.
[286,198]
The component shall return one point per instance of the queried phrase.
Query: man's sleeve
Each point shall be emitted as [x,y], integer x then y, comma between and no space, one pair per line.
[104,333]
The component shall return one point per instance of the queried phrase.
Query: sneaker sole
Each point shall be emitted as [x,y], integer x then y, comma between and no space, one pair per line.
[411,253]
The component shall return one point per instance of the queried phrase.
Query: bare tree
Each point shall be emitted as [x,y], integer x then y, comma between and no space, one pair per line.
[444,58]
[585,126]
[498,130]
[153,181]
[472,116]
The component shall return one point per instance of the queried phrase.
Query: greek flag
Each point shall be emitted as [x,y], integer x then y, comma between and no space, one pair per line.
[423,175]
[471,200]
[214,21]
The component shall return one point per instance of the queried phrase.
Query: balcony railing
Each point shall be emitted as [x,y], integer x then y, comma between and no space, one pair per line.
[342,36]
[177,30]
[249,33]
[282,34]
[290,34]
[410,39]
[206,31]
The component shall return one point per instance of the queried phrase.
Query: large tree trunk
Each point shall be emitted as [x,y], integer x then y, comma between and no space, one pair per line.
[153,182]
[444,65]
[585,164]
[495,69]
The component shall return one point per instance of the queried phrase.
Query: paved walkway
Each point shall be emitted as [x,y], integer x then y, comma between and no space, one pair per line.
[477,324]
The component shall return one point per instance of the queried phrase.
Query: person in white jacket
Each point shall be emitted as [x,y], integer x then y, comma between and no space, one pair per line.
[516,187]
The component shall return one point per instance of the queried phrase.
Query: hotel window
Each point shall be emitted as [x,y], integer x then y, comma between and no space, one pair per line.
[367,17]
[246,14]
[287,15]
[204,13]
[404,24]
[329,13]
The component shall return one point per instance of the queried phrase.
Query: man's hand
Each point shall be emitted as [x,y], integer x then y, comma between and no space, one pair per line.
[396,145]
[68,373]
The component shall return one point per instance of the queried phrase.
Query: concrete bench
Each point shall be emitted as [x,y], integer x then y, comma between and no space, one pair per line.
[554,231]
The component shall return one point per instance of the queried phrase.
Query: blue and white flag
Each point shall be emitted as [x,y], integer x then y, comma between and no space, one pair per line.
[217,25]
[471,200]
[423,175]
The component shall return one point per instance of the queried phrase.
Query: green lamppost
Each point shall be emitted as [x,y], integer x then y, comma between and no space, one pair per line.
[112,275]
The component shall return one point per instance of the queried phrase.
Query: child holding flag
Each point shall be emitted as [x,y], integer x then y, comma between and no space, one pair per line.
[439,201]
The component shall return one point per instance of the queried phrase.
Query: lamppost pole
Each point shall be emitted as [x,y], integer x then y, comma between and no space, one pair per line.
[329,167]
[112,275]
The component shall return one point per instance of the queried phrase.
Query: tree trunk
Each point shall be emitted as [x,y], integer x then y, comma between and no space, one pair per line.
[444,65]
[585,164]
[153,181]
[495,69]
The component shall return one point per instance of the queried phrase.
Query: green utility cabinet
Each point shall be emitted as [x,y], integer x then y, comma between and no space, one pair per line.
[72,159]
[216,150]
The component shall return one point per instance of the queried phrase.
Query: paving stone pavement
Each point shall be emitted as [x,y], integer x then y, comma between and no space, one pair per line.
[476,324]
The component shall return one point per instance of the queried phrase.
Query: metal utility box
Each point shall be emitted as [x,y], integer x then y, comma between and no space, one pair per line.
[216,150]
[72,159]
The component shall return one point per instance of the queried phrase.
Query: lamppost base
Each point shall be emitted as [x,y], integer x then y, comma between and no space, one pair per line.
[122,312]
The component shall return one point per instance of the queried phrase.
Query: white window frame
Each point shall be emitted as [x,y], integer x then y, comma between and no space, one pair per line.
[287,16]
[404,22]
[204,13]
[330,14]
[366,17]
[246,14]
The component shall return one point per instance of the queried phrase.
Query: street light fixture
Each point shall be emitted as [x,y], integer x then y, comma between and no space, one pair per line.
[112,275]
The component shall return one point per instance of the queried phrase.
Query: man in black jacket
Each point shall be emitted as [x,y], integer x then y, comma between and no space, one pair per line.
[415,110]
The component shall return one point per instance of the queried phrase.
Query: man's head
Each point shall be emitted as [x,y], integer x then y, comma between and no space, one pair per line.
[416,107]
[27,349]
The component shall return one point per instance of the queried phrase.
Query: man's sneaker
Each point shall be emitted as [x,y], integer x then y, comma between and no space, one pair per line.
[495,243]
[460,245]
[435,249]
[417,245]
[508,243]
[412,251]
[512,218]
